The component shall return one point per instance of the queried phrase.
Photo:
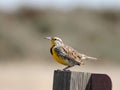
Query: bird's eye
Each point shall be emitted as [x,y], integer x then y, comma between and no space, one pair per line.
[55,39]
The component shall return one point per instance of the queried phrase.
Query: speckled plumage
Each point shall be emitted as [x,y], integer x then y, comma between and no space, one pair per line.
[66,55]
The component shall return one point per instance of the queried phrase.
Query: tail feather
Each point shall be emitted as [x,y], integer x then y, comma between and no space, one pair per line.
[84,57]
[91,58]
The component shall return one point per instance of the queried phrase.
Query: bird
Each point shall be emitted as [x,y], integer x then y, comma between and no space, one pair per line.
[65,54]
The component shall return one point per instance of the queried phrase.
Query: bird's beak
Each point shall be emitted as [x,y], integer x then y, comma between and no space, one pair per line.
[49,38]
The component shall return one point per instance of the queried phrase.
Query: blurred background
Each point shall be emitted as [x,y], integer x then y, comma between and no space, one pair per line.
[90,26]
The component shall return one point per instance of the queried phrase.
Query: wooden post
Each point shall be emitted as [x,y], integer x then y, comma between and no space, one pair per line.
[67,80]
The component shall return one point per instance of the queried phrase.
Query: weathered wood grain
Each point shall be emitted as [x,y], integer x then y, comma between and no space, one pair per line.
[67,80]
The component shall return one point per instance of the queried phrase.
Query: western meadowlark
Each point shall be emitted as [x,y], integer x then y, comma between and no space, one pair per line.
[66,55]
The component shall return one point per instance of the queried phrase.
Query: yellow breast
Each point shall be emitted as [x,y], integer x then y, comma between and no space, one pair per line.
[58,59]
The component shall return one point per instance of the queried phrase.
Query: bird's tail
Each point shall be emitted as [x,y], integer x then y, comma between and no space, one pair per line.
[84,57]
[91,58]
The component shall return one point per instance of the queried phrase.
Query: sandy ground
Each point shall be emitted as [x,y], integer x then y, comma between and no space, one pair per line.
[29,76]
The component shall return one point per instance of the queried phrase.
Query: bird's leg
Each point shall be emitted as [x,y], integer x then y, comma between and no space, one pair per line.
[67,68]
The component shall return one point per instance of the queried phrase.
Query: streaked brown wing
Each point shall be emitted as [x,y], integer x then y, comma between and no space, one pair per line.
[73,53]
[68,53]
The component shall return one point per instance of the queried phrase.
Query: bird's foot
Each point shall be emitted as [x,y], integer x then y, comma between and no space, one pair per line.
[59,70]
[66,70]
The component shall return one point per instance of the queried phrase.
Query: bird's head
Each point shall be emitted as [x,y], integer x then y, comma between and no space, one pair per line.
[55,41]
